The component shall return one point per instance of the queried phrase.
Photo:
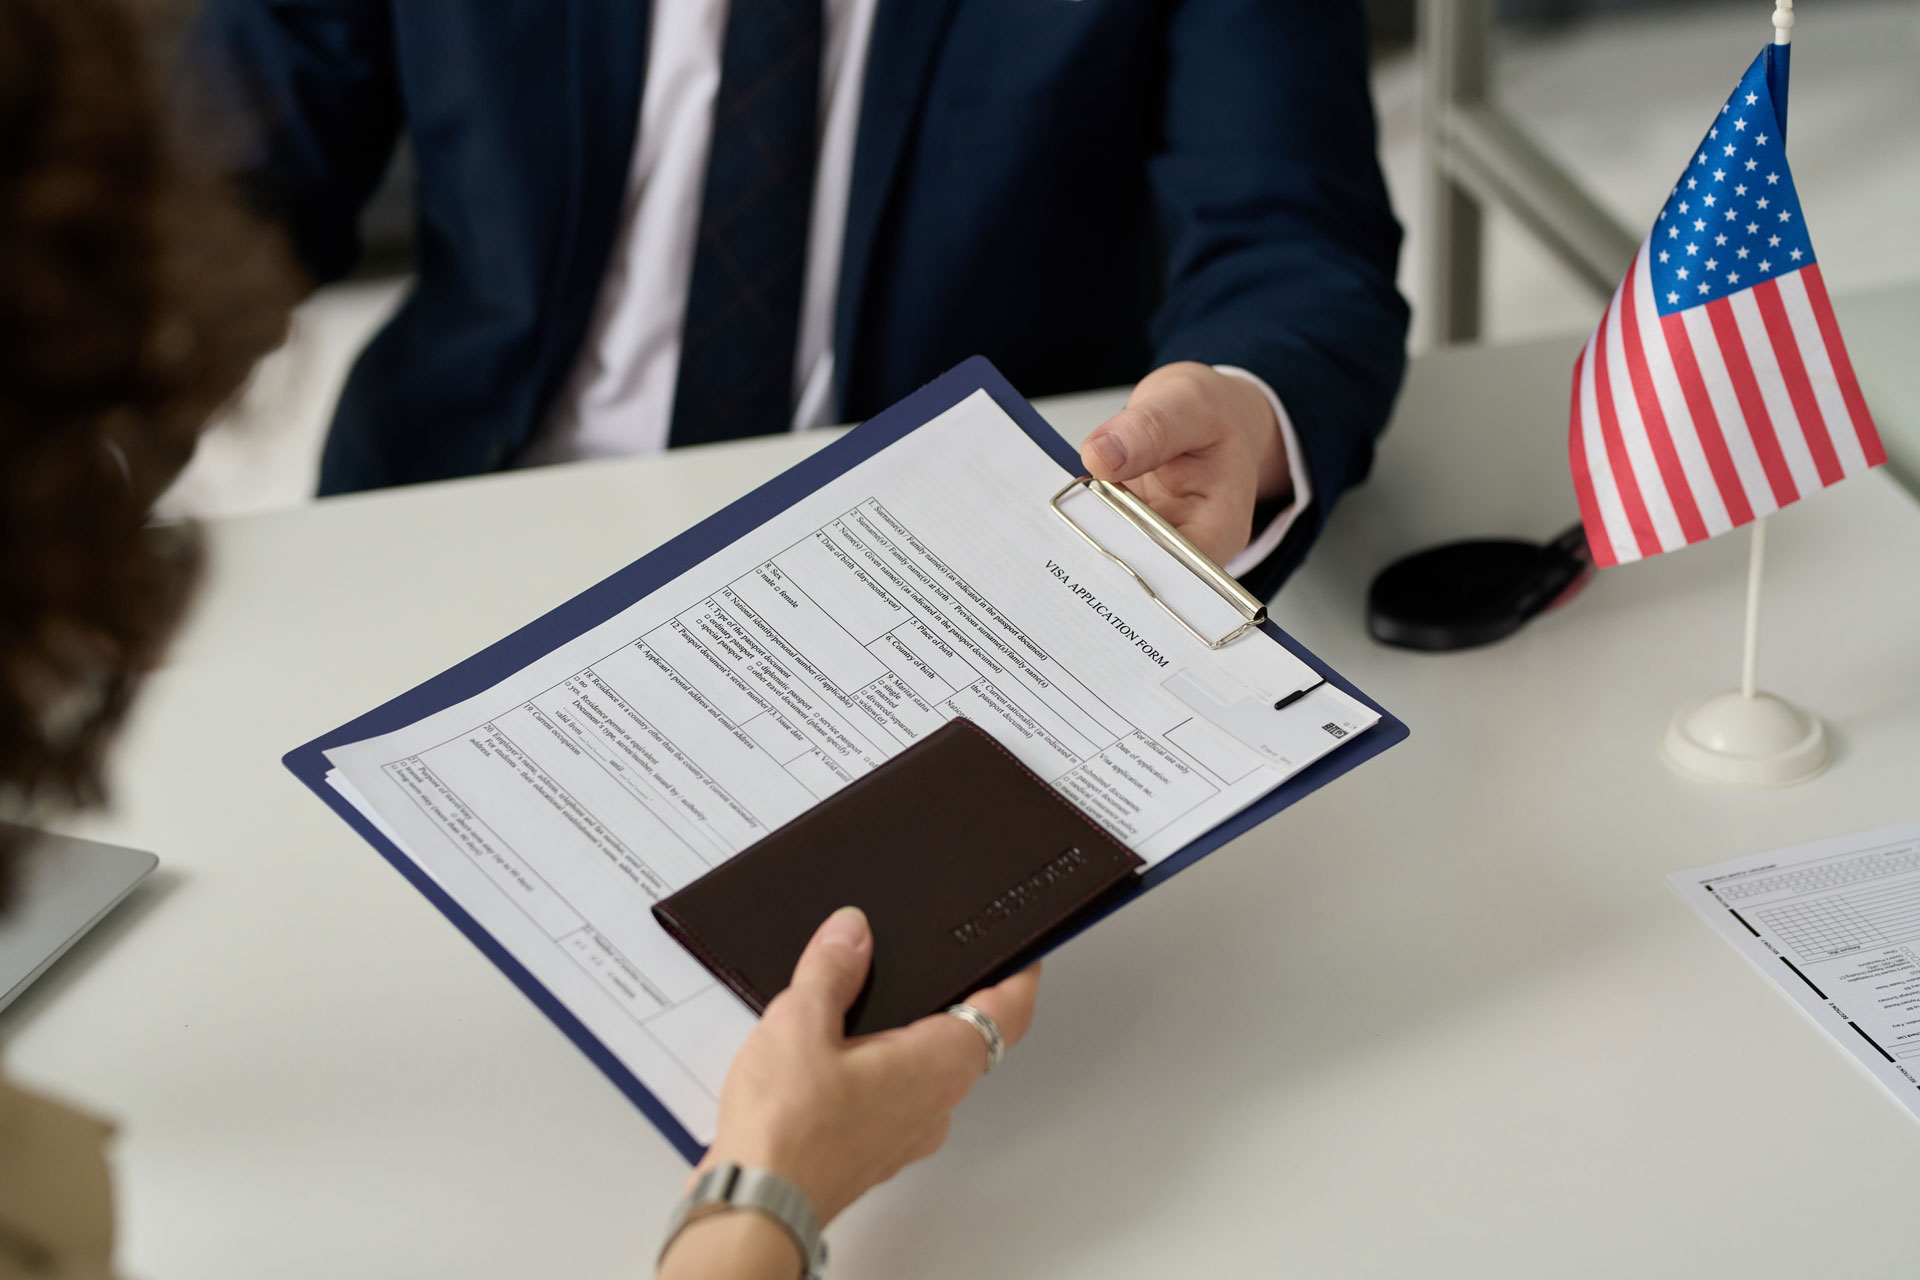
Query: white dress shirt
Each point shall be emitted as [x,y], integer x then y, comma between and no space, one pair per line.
[618,398]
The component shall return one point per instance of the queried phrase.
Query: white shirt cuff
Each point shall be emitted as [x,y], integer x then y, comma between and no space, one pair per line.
[1265,540]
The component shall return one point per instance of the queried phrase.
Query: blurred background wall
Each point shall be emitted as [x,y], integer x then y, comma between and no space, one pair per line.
[1618,91]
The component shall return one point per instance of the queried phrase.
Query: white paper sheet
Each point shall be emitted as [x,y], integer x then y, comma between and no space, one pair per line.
[928,582]
[1837,925]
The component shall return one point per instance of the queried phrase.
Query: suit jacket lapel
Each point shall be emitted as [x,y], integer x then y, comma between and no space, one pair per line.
[906,35]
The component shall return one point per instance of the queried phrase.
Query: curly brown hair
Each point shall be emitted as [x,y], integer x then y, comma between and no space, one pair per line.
[134,298]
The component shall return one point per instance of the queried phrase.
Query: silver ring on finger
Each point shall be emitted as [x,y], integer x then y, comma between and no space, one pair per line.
[989,1031]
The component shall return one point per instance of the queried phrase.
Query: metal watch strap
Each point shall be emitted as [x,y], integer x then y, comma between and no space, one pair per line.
[730,1186]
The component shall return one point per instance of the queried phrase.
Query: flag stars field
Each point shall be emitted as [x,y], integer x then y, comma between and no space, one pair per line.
[1725,194]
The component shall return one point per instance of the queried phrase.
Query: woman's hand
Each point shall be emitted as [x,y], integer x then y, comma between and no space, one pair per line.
[838,1116]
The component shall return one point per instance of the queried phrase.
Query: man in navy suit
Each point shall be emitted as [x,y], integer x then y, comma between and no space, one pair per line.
[645,225]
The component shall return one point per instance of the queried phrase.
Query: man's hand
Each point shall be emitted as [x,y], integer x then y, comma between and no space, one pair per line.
[1202,447]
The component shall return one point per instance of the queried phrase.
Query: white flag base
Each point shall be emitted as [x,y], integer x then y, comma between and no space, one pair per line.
[1740,741]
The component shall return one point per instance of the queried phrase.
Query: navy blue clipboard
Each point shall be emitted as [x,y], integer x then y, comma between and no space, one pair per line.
[599,602]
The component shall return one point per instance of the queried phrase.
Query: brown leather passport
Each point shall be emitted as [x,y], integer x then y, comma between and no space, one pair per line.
[965,862]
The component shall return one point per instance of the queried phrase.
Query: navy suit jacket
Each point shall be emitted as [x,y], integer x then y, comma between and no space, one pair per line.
[1080,190]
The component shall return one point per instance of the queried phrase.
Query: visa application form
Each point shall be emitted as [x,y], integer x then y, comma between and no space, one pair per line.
[927,582]
[1836,924]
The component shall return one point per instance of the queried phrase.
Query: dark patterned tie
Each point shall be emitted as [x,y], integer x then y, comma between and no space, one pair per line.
[749,264]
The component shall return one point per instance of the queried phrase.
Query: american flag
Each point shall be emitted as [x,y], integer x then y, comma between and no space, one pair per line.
[1716,388]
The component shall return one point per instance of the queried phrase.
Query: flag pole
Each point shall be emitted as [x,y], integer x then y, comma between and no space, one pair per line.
[1755,559]
[1745,737]
[1757,549]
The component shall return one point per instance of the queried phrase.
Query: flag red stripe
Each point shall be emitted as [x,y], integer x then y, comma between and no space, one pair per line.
[1679,492]
[1706,423]
[1617,460]
[1597,539]
[1746,389]
[1812,423]
[1842,366]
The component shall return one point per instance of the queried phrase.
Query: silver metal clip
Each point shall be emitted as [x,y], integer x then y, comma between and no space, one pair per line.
[1148,521]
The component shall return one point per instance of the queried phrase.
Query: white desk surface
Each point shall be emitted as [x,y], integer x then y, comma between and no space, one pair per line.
[1444,1018]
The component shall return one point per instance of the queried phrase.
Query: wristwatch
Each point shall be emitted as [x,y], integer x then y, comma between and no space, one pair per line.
[729,1186]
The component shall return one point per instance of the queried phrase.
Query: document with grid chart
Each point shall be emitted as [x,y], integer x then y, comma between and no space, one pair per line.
[1836,924]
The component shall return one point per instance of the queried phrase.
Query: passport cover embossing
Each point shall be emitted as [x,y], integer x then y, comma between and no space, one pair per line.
[963,859]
